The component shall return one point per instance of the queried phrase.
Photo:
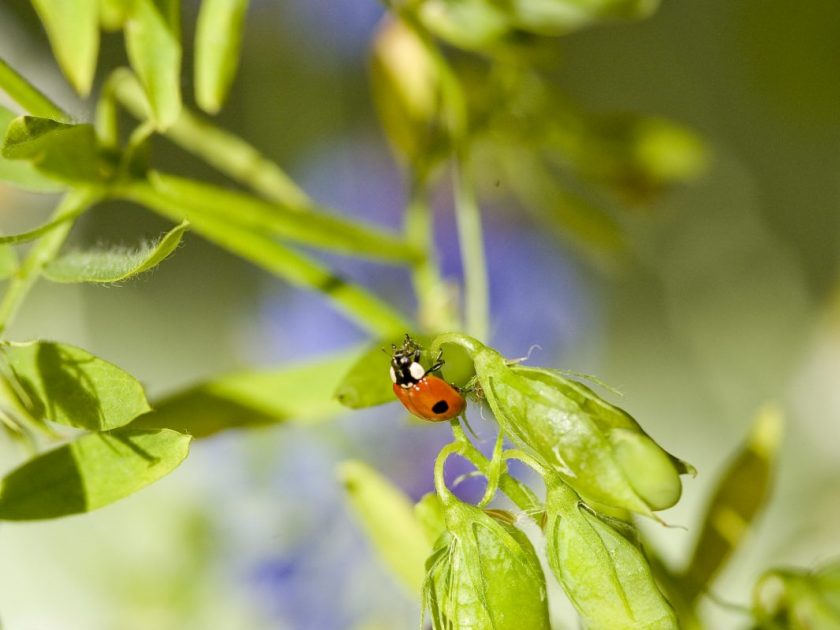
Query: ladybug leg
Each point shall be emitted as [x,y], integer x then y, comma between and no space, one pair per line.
[438,362]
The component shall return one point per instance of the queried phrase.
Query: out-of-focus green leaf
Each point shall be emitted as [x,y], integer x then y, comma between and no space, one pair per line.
[388,518]
[90,472]
[739,496]
[194,199]
[153,43]
[114,264]
[558,17]
[22,174]
[259,248]
[30,98]
[113,13]
[67,385]
[217,40]
[407,91]
[73,31]
[601,567]
[8,261]
[61,151]
[471,24]
[796,599]
[295,394]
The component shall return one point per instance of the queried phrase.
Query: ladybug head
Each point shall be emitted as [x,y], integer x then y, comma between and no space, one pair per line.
[406,370]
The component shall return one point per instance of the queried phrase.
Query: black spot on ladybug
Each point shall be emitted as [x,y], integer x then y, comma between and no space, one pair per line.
[440,406]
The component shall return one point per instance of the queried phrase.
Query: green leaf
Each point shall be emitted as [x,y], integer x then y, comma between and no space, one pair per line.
[8,261]
[297,394]
[114,264]
[64,152]
[738,498]
[73,31]
[41,230]
[387,516]
[255,246]
[67,385]
[153,44]
[217,42]
[600,566]
[558,17]
[30,98]
[90,472]
[193,200]
[430,514]
[22,174]
[113,13]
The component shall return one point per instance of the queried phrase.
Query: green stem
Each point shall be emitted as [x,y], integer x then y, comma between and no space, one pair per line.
[28,96]
[471,239]
[432,301]
[223,150]
[253,245]
[517,491]
[73,204]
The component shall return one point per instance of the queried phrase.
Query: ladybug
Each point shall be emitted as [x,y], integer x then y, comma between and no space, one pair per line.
[421,392]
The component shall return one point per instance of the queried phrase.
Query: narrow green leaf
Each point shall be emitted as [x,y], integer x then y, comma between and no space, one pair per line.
[217,41]
[22,174]
[114,264]
[46,228]
[113,13]
[8,261]
[27,95]
[353,300]
[255,398]
[73,31]
[738,498]
[153,44]
[387,516]
[70,386]
[90,472]
[61,151]
[194,199]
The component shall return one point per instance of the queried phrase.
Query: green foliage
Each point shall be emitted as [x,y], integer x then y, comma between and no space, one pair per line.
[73,29]
[90,472]
[798,600]
[486,98]
[18,173]
[253,398]
[60,151]
[388,518]
[738,498]
[115,264]
[67,385]
[153,44]
[217,40]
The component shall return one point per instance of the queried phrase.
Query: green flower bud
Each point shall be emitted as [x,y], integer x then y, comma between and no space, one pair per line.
[799,599]
[600,566]
[484,574]
[557,17]
[599,449]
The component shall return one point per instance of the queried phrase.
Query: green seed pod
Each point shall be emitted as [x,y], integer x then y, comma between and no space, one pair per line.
[600,566]
[484,574]
[599,449]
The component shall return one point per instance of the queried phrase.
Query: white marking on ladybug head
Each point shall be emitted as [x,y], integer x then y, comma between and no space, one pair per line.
[393,375]
[417,371]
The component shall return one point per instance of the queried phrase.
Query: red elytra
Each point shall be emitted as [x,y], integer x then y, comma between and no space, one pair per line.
[431,398]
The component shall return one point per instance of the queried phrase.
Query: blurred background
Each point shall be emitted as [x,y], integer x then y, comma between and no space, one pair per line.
[727,299]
